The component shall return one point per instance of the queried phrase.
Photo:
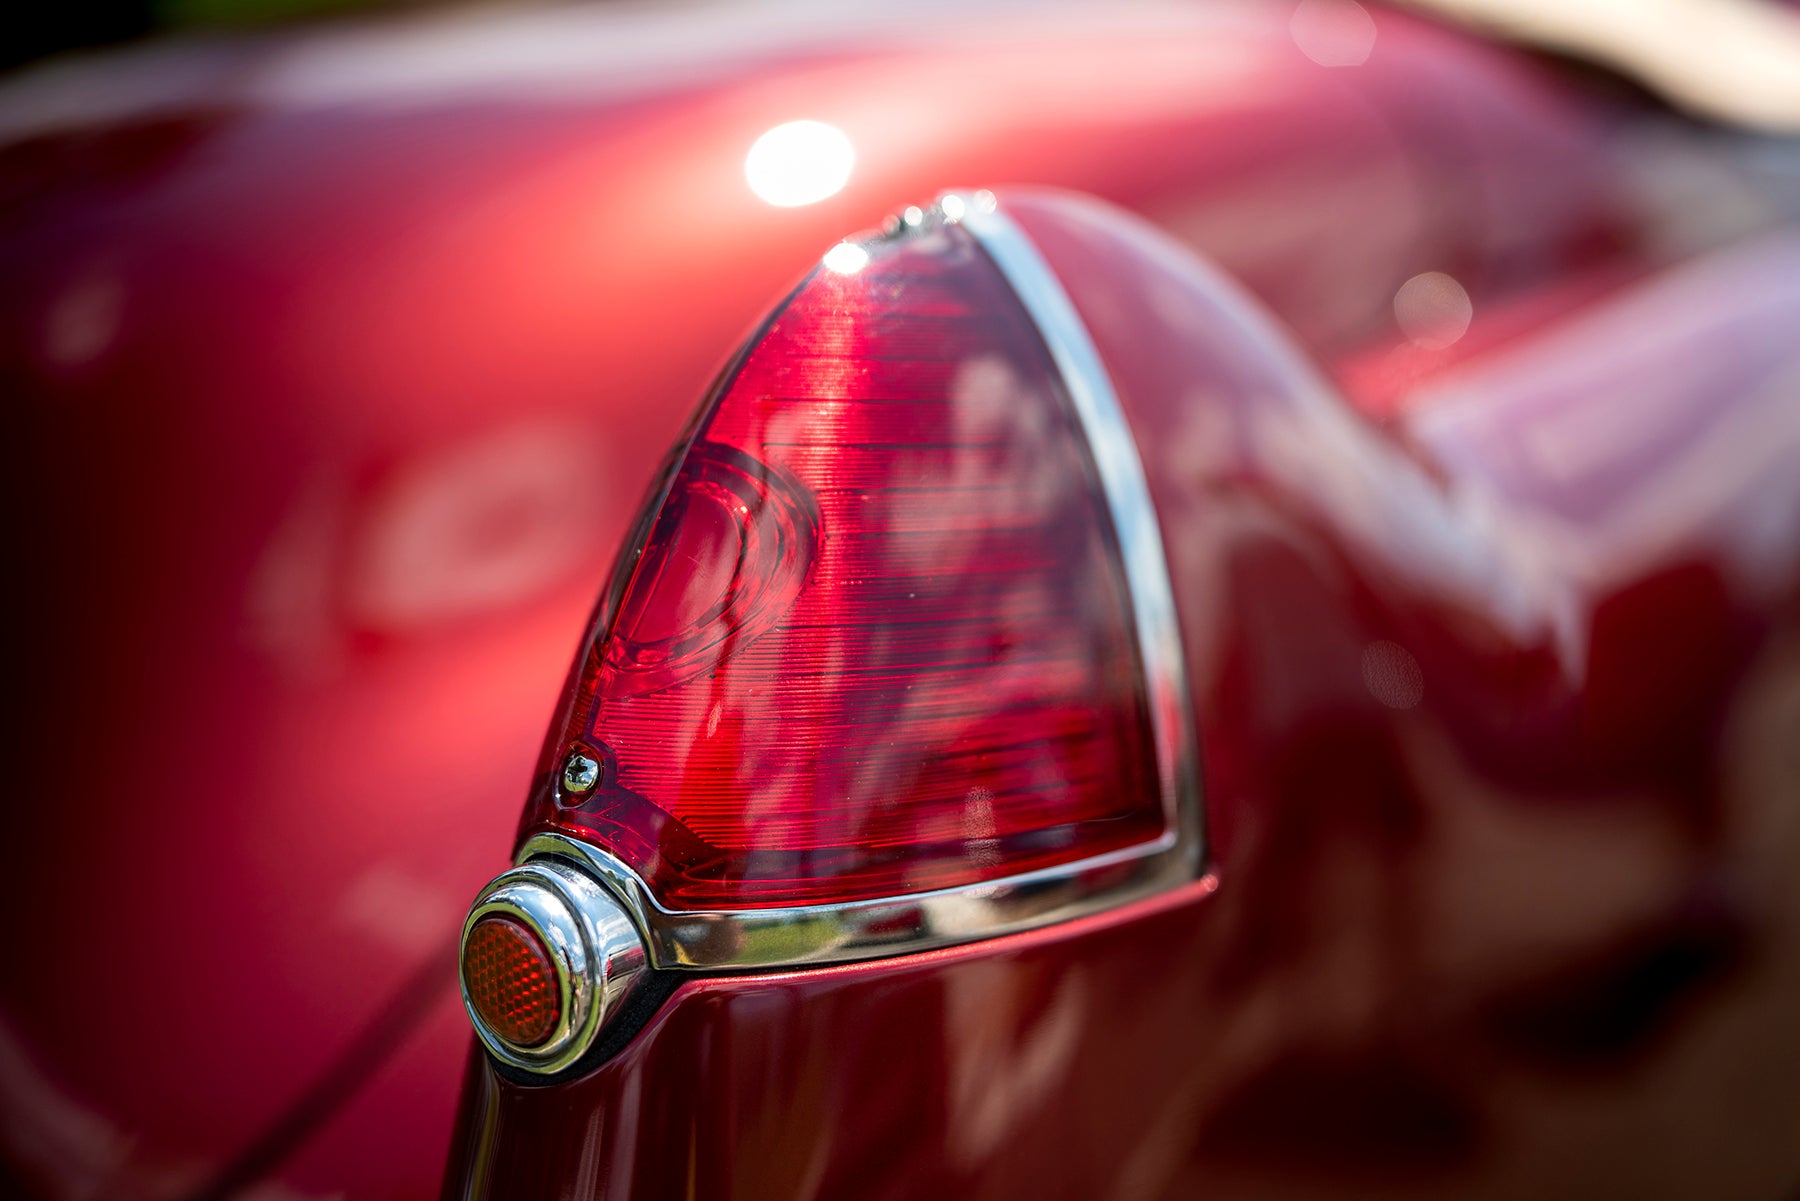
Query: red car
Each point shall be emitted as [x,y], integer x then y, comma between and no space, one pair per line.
[1241,640]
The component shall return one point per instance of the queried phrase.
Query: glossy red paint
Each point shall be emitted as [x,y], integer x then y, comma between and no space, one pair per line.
[340,362]
[1497,713]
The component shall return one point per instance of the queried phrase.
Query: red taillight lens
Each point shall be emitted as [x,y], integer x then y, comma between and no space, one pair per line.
[876,640]
[510,981]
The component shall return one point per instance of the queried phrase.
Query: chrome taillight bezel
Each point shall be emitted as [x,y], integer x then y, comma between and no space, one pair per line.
[595,950]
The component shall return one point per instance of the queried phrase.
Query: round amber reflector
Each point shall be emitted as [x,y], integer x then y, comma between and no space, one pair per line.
[511,981]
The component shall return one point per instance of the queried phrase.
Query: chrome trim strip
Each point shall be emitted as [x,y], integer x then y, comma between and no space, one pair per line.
[595,946]
[839,933]
[1127,497]
[814,934]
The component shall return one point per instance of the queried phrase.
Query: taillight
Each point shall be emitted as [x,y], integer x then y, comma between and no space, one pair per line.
[891,662]
[896,629]
[878,639]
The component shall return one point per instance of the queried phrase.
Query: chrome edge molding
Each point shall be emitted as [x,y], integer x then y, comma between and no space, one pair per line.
[727,939]
[595,946]
[1127,492]
[747,939]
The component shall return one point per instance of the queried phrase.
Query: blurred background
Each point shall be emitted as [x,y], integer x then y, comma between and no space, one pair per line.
[340,341]
[51,28]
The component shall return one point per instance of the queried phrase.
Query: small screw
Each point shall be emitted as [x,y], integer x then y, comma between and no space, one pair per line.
[580,773]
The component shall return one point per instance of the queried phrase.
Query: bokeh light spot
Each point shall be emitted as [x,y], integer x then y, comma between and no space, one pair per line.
[1333,33]
[1433,310]
[1392,675]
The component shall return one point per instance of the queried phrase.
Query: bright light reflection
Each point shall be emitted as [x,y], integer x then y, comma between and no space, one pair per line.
[802,162]
[846,258]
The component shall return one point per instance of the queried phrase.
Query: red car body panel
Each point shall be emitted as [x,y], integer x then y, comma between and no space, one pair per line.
[338,373]
[1499,890]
